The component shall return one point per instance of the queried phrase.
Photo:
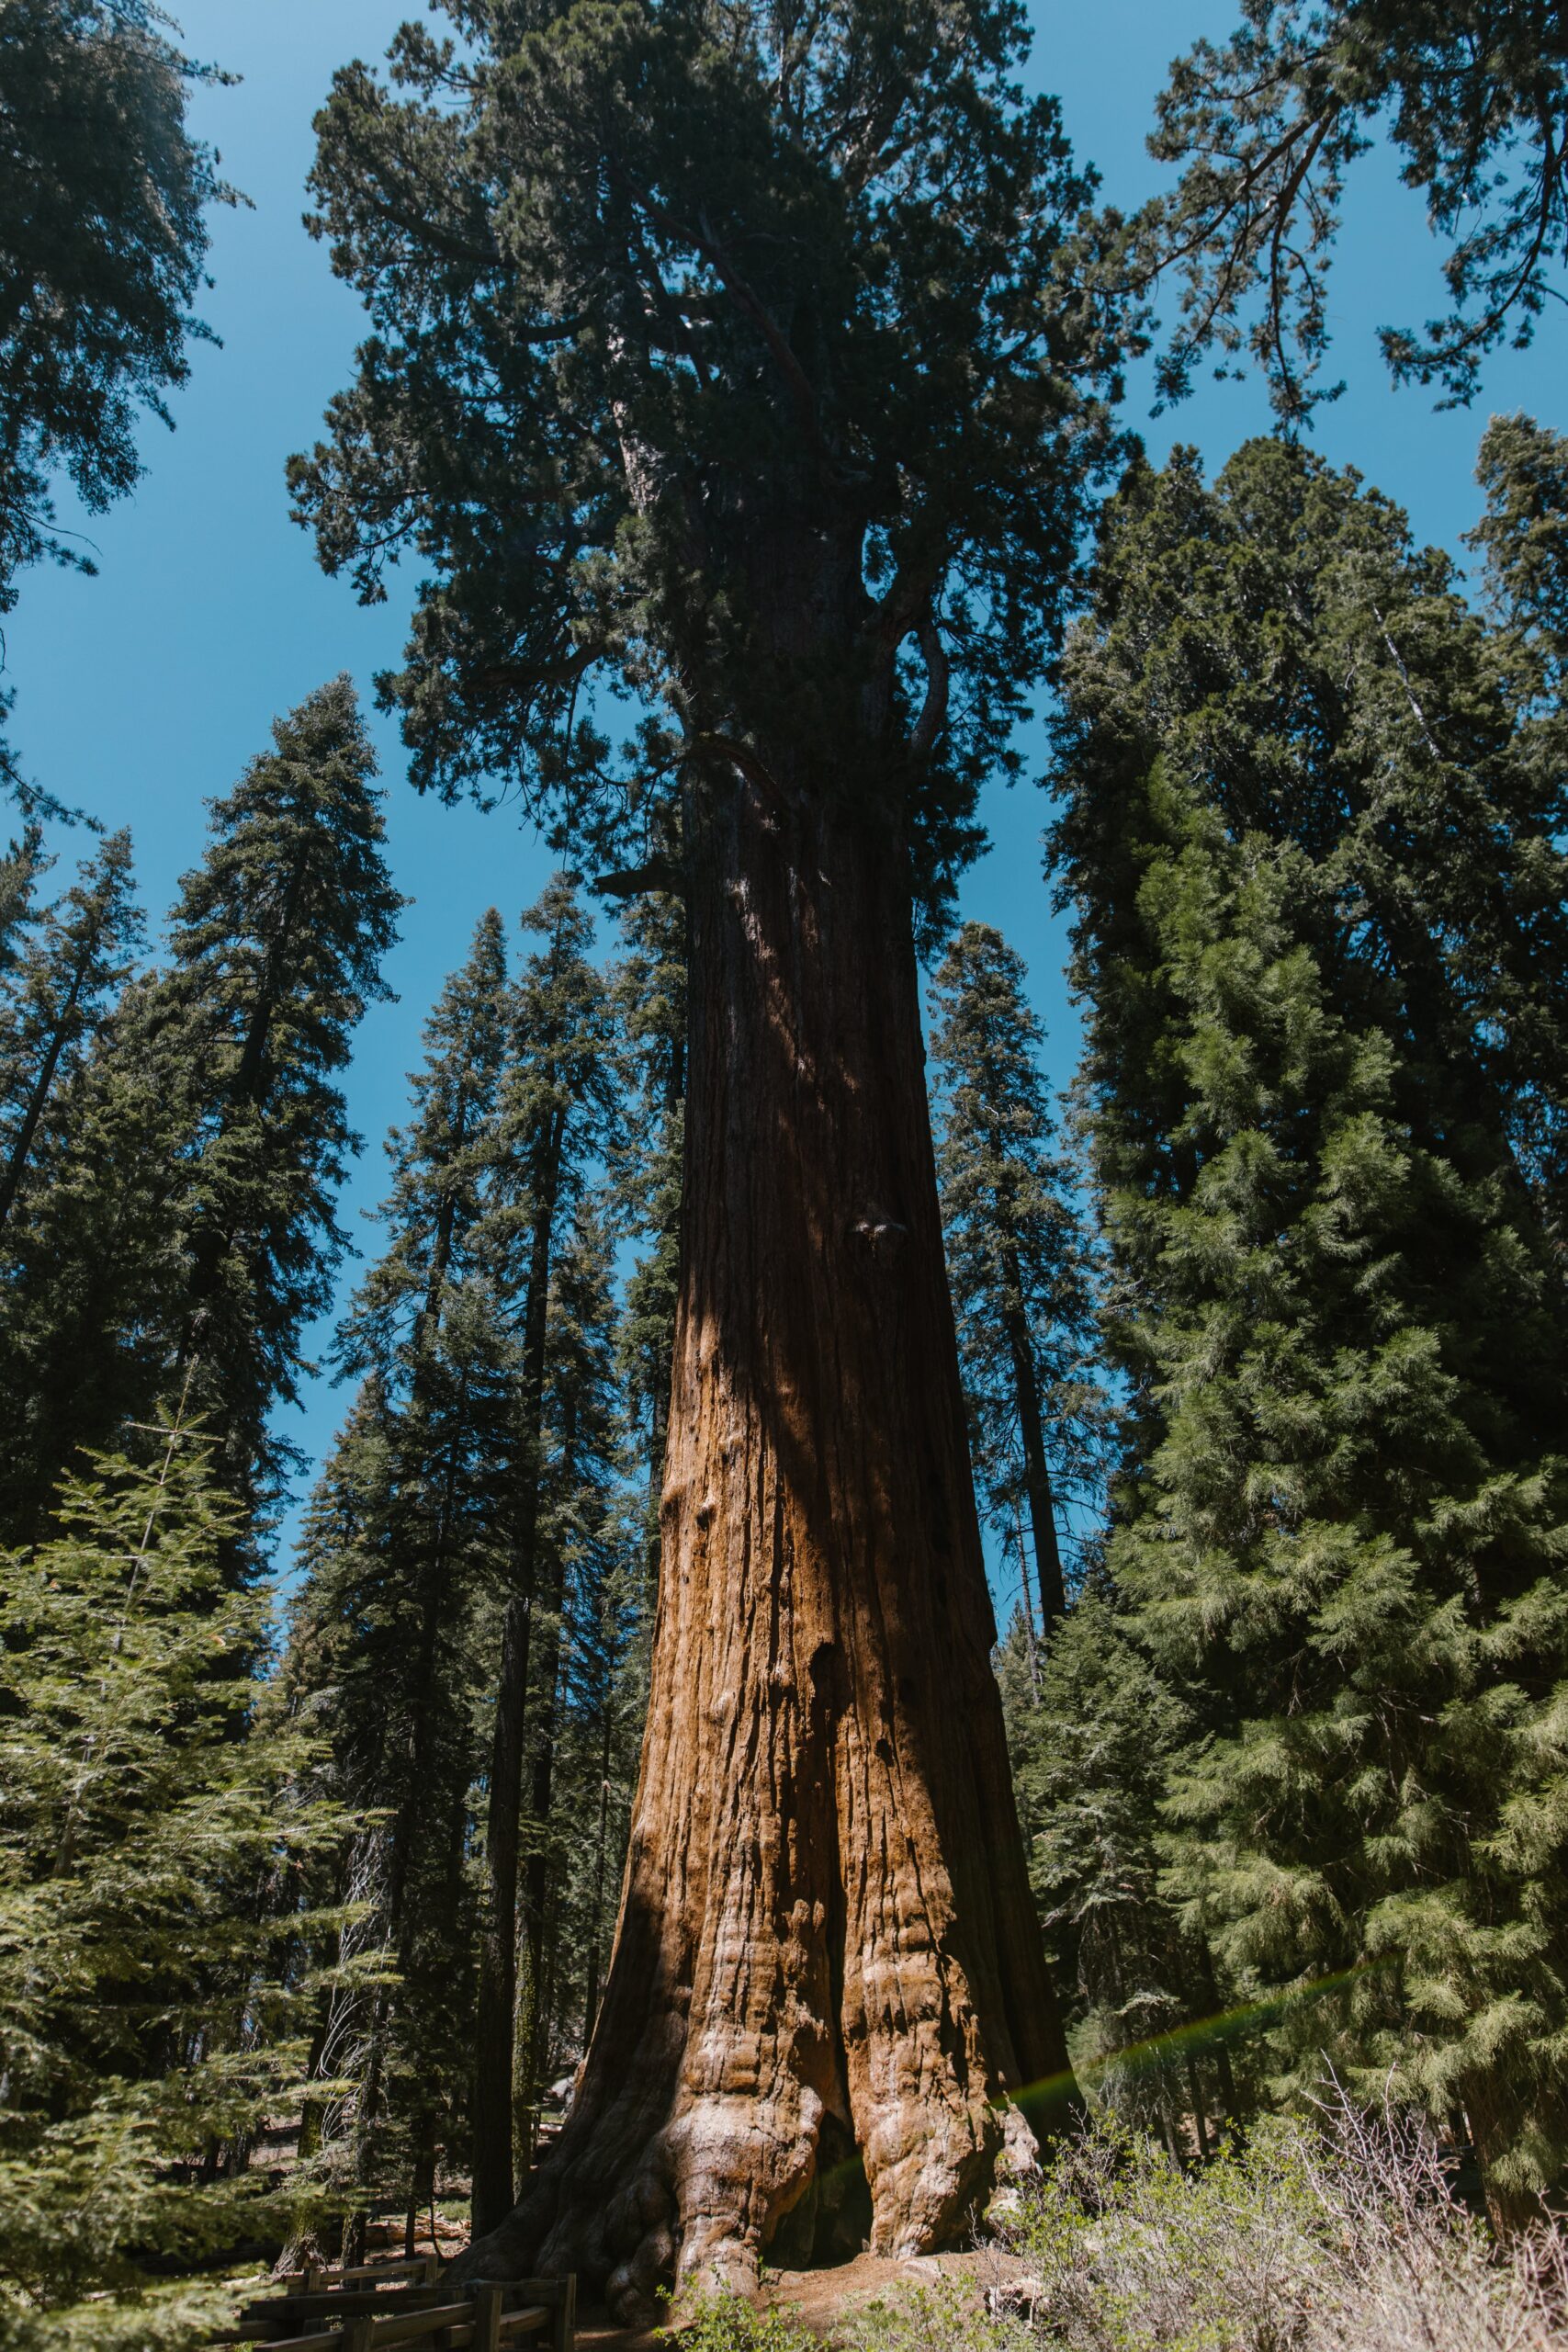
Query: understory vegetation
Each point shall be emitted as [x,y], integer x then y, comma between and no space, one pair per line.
[1336,2231]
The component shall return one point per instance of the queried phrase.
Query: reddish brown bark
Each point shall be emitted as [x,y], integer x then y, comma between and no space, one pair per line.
[826,1937]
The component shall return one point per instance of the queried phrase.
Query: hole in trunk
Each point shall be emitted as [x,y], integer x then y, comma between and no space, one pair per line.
[832,2220]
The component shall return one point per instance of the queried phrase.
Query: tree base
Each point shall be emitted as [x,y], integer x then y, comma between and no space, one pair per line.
[656,2241]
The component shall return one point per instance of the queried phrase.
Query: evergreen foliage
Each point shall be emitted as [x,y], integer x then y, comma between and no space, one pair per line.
[1473,94]
[89,1252]
[471,1584]
[406,1530]
[147,1804]
[71,975]
[588,1613]
[184,1129]
[749,363]
[381,1647]
[834,303]
[1523,540]
[555,1126]
[19,871]
[103,194]
[1018,1260]
[1293,814]
[275,948]
[1093,1729]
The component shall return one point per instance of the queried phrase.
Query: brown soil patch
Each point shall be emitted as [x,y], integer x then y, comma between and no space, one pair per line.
[821,2299]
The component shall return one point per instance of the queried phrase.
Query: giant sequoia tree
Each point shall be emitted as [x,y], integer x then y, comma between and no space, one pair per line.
[731,352]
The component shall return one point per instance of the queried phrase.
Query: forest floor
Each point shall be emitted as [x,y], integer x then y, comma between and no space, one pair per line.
[820,2299]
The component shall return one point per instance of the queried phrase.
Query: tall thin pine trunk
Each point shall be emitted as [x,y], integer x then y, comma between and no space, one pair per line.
[532,2007]
[21,1150]
[496,2023]
[1049,1578]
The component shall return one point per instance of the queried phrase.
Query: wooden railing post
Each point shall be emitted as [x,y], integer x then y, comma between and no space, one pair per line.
[564,2320]
[487,2315]
[358,2334]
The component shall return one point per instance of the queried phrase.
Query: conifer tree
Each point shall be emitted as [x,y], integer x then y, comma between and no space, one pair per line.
[580,1557]
[405,1531]
[1093,1728]
[1473,94]
[381,1661]
[1017,1258]
[72,972]
[1342,1526]
[778,334]
[552,1126]
[604,1676]
[91,1245]
[20,869]
[147,1786]
[275,948]
[184,1233]
[1523,540]
[103,194]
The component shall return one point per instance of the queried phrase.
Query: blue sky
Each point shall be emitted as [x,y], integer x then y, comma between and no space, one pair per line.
[144,691]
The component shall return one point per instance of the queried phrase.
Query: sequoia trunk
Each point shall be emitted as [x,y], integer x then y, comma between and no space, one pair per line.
[827,1947]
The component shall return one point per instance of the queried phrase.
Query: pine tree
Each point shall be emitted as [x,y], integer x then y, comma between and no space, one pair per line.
[72,973]
[181,1232]
[553,1125]
[91,1247]
[20,870]
[604,1677]
[1092,1728]
[103,193]
[276,944]
[1523,538]
[148,1786]
[577,1651]
[1016,1257]
[382,1658]
[1341,1529]
[343,1677]
[404,1537]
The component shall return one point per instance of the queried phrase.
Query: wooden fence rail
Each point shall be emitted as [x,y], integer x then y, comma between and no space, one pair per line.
[363,2315]
[420,2269]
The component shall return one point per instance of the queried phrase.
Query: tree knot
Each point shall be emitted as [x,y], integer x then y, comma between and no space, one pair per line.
[881,1234]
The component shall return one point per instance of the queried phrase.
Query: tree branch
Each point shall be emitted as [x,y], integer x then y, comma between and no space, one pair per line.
[637,881]
[757,311]
[934,713]
[725,747]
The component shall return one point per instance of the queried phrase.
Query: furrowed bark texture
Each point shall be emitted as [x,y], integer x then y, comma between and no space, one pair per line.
[826,1941]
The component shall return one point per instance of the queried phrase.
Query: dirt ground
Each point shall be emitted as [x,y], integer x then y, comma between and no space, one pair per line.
[819,2298]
